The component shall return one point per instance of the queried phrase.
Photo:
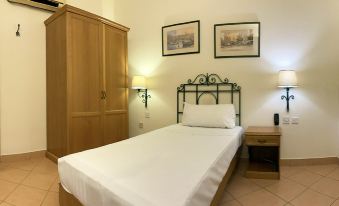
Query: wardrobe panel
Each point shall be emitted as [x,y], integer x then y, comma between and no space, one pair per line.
[85,133]
[115,69]
[116,127]
[115,74]
[86,64]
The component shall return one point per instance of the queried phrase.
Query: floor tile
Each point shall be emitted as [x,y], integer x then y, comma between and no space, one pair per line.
[336,203]
[261,198]
[24,165]
[264,182]
[230,203]
[55,186]
[46,166]
[322,169]
[226,197]
[13,175]
[52,199]
[239,186]
[287,171]
[286,189]
[334,174]
[311,198]
[26,196]
[6,188]
[39,158]
[328,187]
[3,165]
[305,178]
[39,180]
[5,204]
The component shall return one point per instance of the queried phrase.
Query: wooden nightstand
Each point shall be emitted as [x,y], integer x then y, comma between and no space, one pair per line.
[264,152]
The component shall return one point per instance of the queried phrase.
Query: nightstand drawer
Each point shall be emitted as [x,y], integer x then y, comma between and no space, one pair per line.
[262,140]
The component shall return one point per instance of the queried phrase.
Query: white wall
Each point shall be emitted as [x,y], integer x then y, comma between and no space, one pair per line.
[102,8]
[88,5]
[338,126]
[300,35]
[23,74]
[1,61]
[23,125]
[108,9]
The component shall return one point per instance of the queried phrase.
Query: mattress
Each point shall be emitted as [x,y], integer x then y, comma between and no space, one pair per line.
[173,166]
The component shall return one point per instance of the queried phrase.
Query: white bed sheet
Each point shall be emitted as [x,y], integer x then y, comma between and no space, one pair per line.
[173,166]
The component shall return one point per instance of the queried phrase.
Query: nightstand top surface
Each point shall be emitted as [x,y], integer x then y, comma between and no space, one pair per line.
[253,130]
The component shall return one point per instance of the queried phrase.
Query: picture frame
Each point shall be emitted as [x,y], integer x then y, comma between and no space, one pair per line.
[237,40]
[182,38]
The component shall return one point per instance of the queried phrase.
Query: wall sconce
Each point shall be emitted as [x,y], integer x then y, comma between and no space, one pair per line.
[139,83]
[287,79]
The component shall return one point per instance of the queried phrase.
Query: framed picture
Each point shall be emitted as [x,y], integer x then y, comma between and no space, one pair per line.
[183,38]
[237,40]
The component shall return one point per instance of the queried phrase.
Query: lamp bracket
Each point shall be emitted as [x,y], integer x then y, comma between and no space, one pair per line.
[142,93]
[287,97]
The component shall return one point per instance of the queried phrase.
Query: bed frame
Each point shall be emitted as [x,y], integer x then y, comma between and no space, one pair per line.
[220,90]
[203,84]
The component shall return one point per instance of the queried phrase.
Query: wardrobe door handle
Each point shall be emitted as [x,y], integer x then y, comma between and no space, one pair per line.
[103,95]
[262,141]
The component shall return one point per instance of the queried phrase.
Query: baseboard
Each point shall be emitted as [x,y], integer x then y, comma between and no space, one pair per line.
[310,161]
[23,156]
[52,157]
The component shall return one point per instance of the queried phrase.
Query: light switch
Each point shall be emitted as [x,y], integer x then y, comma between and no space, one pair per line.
[141,125]
[295,120]
[286,120]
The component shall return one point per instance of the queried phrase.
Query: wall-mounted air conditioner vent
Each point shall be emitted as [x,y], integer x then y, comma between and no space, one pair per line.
[50,5]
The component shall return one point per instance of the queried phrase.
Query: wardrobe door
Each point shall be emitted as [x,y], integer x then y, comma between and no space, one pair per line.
[116,85]
[86,83]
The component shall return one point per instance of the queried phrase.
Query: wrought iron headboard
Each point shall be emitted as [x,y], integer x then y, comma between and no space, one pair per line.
[213,85]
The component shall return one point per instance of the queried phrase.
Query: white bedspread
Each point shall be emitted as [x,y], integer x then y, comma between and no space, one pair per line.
[172,166]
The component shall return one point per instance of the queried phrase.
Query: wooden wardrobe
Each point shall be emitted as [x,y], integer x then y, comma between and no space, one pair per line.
[87,85]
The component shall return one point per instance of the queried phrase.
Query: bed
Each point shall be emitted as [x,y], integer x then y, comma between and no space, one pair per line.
[175,166]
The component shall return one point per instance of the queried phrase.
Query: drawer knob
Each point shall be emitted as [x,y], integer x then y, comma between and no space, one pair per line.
[262,141]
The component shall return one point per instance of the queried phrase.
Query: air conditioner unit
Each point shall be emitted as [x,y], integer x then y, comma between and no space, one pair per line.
[50,5]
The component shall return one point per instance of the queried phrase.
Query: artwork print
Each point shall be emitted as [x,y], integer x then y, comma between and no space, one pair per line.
[183,38]
[237,40]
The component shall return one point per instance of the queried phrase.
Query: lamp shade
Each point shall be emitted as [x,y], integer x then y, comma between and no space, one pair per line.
[139,82]
[287,79]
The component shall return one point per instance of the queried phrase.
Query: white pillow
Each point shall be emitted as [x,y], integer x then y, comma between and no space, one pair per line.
[218,115]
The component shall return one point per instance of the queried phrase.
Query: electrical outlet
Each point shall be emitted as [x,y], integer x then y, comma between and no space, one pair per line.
[147,114]
[286,120]
[141,125]
[295,120]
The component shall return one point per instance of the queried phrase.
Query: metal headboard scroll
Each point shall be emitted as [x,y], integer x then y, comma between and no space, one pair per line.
[209,84]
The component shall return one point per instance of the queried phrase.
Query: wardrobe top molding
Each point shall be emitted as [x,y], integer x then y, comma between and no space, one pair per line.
[72,9]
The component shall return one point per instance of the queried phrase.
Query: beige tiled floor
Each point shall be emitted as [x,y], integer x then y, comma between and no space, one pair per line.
[34,182]
[316,185]
[31,182]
